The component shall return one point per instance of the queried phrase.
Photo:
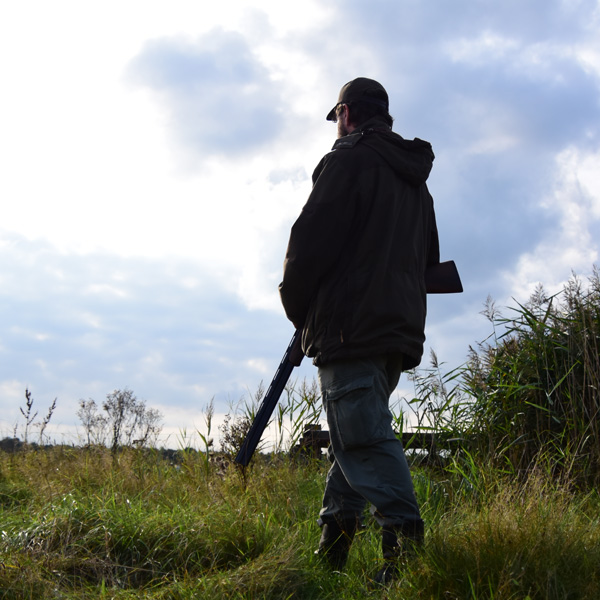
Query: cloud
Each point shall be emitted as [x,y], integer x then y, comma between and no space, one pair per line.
[495,59]
[217,94]
[80,326]
[572,243]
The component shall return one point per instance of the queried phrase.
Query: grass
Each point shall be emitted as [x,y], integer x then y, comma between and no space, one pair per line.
[532,540]
[78,524]
[532,391]
[512,512]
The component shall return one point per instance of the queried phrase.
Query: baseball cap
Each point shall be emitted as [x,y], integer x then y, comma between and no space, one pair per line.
[361,89]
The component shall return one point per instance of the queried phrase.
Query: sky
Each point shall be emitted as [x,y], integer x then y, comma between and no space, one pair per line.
[154,156]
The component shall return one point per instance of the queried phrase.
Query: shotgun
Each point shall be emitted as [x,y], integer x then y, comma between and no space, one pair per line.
[441,278]
[292,358]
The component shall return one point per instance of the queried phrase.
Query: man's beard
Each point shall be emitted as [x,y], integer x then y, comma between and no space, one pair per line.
[342,129]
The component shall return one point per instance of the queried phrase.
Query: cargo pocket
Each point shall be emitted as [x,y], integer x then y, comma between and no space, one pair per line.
[353,416]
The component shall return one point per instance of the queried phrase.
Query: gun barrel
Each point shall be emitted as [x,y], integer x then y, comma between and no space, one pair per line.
[291,359]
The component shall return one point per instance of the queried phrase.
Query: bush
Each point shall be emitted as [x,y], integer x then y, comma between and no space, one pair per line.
[532,395]
[128,421]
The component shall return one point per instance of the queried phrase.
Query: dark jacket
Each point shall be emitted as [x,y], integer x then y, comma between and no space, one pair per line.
[353,275]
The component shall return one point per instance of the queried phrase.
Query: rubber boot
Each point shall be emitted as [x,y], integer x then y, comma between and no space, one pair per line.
[335,542]
[396,542]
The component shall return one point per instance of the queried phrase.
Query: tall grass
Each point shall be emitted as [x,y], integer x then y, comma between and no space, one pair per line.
[530,539]
[77,524]
[530,396]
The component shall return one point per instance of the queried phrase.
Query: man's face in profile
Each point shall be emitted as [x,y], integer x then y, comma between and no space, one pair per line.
[342,117]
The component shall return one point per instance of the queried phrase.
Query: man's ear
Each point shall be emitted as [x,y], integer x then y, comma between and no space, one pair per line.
[347,118]
[345,114]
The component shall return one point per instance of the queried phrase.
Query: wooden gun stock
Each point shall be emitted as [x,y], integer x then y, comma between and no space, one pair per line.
[443,278]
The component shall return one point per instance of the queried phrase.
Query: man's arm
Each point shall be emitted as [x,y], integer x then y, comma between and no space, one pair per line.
[318,236]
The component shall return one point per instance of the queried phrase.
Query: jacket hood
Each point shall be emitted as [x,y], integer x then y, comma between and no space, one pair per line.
[410,159]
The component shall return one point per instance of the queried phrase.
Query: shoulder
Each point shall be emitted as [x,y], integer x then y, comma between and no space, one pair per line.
[335,162]
[348,142]
[349,154]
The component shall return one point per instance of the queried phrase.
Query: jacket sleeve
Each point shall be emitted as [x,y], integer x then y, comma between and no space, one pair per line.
[319,235]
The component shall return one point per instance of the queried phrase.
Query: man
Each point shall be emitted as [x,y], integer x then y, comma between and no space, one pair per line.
[353,281]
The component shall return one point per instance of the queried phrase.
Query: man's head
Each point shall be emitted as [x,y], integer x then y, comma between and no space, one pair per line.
[358,101]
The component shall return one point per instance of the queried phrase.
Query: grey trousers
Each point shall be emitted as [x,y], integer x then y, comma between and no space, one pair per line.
[369,465]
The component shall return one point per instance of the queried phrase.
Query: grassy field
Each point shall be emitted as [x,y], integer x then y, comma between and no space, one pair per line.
[80,523]
[512,512]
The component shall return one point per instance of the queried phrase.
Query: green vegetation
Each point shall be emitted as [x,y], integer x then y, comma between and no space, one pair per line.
[510,498]
[77,524]
[531,397]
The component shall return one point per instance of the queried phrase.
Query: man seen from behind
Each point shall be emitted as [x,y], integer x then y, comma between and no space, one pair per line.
[353,282]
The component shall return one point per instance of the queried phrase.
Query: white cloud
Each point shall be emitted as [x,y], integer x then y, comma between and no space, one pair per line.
[480,50]
[572,244]
[583,166]
[218,96]
[260,366]
[536,60]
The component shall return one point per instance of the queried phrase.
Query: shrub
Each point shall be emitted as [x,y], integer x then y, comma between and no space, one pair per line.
[532,394]
[129,420]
